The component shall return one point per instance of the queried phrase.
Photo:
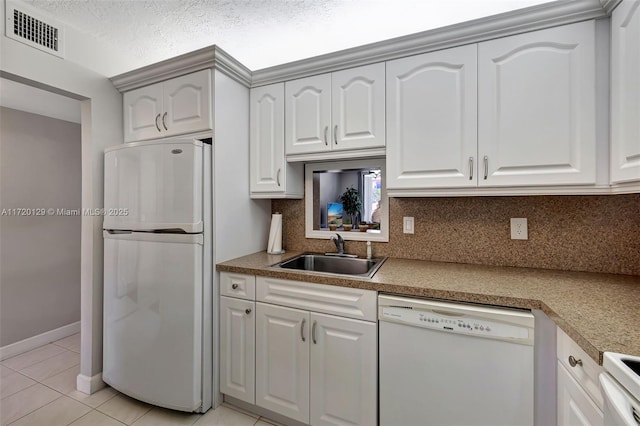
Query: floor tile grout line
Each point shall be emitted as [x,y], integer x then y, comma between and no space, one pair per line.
[97,411]
[33,411]
[33,384]
[48,377]
[44,359]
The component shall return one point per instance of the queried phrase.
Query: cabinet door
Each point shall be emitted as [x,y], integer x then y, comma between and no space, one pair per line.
[536,101]
[575,408]
[431,113]
[237,348]
[282,361]
[625,92]
[357,113]
[308,114]
[343,371]
[187,104]
[143,113]
[268,171]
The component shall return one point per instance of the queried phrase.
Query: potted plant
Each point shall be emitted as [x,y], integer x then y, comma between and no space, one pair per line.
[363,226]
[347,225]
[351,203]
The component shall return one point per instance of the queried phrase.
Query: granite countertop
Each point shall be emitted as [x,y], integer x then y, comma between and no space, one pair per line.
[601,312]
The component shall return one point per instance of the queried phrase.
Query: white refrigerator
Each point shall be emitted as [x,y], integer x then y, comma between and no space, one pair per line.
[158,272]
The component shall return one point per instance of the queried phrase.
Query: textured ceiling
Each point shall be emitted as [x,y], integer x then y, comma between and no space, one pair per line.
[259,33]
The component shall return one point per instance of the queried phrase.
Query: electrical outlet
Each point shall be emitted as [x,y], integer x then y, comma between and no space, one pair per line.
[519,228]
[407,225]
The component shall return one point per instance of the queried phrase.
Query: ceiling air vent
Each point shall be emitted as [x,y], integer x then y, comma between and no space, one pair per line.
[33,29]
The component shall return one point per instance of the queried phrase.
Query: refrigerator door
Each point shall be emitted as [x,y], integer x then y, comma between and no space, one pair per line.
[154,186]
[153,308]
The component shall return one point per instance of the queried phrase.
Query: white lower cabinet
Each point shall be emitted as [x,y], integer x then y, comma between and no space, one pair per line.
[315,368]
[575,408]
[237,348]
[312,364]
[343,385]
[579,397]
[282,361]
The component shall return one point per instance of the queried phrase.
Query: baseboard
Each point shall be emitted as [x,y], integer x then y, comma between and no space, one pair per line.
[89,385]
[36,341]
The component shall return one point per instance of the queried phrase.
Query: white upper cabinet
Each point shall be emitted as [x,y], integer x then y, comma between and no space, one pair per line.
[357,113]
[187,103]
[178,106]
[271,176]
[308,114]
[625,92]
[342,111]
[536,105]
[432,120]
[142,113]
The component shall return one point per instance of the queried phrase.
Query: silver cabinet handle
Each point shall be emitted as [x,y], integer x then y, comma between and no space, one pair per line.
[157,125]
[573,362]
[247,311]
[278,177]
[313,332]
[234,286]
[486,167]
[302,330]
[335,134]
[470,168]
[164,123]
[326,130]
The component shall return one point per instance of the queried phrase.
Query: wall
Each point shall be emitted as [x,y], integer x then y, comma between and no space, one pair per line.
[578,233]
[39,255]
[101,117]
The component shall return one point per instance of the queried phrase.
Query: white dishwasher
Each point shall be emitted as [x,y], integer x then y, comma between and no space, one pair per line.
[447,364]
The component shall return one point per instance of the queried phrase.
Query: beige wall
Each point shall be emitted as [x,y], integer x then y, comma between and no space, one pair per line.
[40,167]
[579,233]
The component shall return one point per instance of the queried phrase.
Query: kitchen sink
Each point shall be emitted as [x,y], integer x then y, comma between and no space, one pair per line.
[331,264]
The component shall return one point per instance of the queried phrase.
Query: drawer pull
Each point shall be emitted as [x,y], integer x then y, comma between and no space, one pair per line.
[573,362]
[234,286]
[302,329]
[247,311]
[313,333]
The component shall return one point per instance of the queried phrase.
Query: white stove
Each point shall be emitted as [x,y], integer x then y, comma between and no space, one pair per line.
[621,389]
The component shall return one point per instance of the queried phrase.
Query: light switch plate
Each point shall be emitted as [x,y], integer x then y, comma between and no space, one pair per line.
[519,228]
[407,225]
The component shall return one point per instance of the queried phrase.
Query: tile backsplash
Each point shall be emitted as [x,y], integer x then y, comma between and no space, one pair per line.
[578,233]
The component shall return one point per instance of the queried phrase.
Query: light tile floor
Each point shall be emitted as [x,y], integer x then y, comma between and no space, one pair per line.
[37,388]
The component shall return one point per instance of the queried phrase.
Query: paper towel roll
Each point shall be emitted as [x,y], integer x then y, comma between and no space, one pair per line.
[275,235]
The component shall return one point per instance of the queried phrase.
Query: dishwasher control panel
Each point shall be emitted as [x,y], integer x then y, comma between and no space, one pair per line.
[451,323]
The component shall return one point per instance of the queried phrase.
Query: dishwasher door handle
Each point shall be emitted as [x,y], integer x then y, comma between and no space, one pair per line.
[448,314]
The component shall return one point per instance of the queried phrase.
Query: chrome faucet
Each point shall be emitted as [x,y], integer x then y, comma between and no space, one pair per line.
[339,242]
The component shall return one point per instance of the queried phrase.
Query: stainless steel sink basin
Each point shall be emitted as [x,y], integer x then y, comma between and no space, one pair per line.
[355,267]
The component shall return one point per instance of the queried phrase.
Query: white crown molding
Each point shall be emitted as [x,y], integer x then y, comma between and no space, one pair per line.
[505,24]
[502,25]
[609,5]
[208,57]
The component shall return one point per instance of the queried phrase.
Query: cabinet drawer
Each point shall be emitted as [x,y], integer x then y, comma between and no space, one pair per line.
[585,374]
[328,299]
[242,286]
